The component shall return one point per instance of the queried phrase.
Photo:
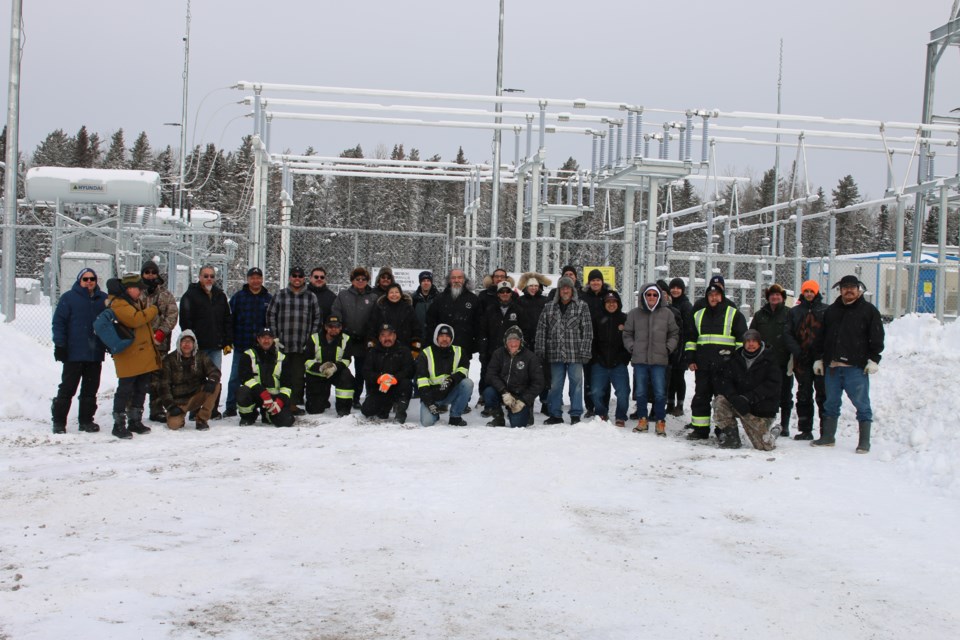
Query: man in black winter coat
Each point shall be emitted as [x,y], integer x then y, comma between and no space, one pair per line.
[388,371]
[329,366]
[772,321]
[805,322]
[318,287]
[504,313]
[610,359]
[751,392]
[205,310]
[263,384]
[514,379]
[458,307]
[848,352]
[677,384]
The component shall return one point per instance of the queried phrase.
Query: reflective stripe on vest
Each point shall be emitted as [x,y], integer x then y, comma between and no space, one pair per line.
[725,339]
[432,377]
[255,380]
[337,356]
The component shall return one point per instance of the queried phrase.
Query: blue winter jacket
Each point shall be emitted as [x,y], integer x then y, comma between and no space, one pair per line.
[249,316]
[73,323]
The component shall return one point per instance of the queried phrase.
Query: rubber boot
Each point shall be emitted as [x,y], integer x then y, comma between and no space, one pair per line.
[88,408]
[59,408]
[135,422]
[784,424]
[828,433]
[730,438]
[863,446]
[120,426]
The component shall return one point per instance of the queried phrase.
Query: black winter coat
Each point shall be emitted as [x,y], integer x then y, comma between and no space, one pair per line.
[532,308]
[852,334]
[399,314]
[595,300]
[683,305]
[773,325]
[267,362]
[442,365]
[421,303]
[396,361]
[608,349]
[325,298]
[495,323]
[760,384]
[711,356]
[463,314]
[804,323]
[208,316]
[521,374]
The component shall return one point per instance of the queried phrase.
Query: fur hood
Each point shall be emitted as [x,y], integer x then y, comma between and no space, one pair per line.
[488,282]
[405,299]
[527,277]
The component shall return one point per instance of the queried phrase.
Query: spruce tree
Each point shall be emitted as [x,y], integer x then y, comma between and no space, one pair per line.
[116,157]
[141,156]
[56,150]
[82,153]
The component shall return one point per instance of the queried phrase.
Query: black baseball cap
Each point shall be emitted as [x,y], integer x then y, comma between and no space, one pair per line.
[254,271]
[333,321]
[297,272]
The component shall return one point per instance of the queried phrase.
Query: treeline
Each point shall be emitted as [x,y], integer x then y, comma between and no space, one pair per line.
[222,180]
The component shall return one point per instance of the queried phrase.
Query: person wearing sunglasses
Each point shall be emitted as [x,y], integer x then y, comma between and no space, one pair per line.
[78,348]
[318,286]
[155,292]
[353,306]
[205,310]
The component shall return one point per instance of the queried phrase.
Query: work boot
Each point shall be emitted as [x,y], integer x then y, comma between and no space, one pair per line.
[498,420]
[248,419]
[135,422]
[863,446]
[400,409]
[828,433]
[89,427]
[574,419]
[730,438]
[699,433]
[59,427]
[553,420]
[120,426]
[59,408]
[158,416]
[784,425]
[343,407]
[662,428]
[456,421]
[202,426]
[803,435]
[642,426]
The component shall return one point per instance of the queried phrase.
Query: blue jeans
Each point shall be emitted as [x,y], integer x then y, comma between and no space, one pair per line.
[601,379]
[857,385]
[216,355]
[559,371]
[492,400]
[655,375]
[234,381]
[457,398]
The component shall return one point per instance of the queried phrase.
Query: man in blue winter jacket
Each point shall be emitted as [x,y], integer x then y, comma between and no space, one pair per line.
[80,351]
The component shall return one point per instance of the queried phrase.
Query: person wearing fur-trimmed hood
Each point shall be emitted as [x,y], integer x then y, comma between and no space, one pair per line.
[442,379]
[189,382]
[533,300]
[155,292]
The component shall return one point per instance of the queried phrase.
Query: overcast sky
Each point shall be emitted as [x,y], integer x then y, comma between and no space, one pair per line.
[113,63]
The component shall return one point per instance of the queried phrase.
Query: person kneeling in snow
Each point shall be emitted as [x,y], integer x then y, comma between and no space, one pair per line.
[514,380]
[189,381]
[263,384]
[442,379]
[330,366]
[751,392]
[388,371]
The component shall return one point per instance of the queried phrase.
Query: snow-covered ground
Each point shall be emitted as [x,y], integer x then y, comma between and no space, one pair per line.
[339,529]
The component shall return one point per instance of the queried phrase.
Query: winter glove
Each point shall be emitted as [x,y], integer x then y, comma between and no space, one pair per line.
[790,366]
[508,400]
[328,369]
[227,350]
[434,409]
[59,353]
[386,381]
[871,368]
[315,367]
[445,385]
[174,411]
[209,386]
[281,347]
[741,404]
[275,407]
[158,336]
[818,368]
[267,399]
[518,406]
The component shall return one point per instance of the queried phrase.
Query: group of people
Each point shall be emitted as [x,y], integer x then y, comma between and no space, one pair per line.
[374,346]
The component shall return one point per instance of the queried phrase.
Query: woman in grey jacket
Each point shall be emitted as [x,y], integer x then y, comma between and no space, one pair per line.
[650,335]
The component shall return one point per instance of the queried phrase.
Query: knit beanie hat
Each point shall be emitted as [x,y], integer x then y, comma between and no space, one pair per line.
[425,275]
[812,285]
[678,283]
[595,274]
[150,264]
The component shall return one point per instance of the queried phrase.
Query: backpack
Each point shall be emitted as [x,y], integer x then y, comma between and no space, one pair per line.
[112,334]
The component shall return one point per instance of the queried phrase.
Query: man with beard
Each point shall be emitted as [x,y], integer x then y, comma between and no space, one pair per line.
[804,325]
[458,307]
[155,293]
[848,353]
